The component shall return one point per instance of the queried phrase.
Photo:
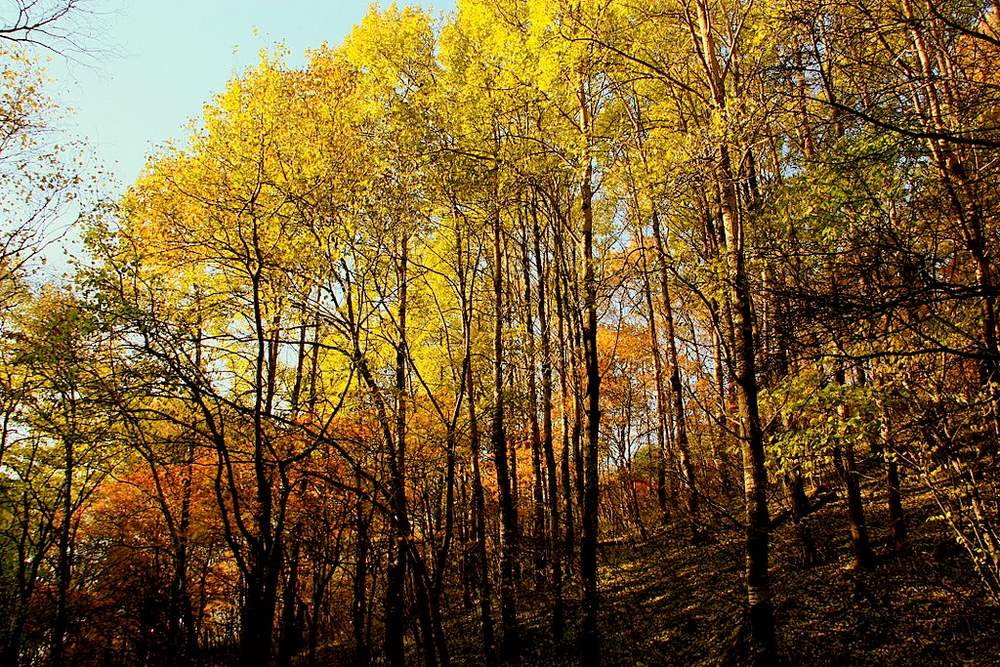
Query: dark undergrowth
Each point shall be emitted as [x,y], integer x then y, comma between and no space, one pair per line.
[665,602]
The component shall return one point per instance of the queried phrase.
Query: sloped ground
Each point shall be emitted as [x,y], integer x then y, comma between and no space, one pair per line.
[667,603]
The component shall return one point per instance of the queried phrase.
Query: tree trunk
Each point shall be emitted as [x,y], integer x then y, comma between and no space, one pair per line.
[359,605]
[511,646]
[564,388]
[64,564]
[661,394]
[591,643]
[478,510]
[289,641]
[554,555]
[896,517]
[763,644]
[863,556]
[537,494]
[676,390]
[800,509]
[395,603]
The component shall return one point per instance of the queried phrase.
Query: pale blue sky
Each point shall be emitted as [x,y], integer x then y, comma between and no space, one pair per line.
[160,61]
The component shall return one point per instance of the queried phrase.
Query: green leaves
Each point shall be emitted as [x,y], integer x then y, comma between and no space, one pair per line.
[811,416]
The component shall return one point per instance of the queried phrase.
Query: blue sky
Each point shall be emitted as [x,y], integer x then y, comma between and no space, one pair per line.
[160,61]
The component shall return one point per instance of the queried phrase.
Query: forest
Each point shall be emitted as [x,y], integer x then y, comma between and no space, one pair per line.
[533,332]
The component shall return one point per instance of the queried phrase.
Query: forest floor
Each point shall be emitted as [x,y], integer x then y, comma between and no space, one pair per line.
[664,602]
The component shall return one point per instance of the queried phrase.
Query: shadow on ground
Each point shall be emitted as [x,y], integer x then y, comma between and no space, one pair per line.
[665,602]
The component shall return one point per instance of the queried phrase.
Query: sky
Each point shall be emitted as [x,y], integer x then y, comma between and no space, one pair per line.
[157,62]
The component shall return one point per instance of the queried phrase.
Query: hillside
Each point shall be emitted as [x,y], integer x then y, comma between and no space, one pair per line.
[668,603]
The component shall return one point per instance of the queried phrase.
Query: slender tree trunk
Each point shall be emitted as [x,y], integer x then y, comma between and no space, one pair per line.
[896,517]
[676,390]
[479,528]
[537,494]
[290,637]
[478,509]
[359,605]
[395,603]
[574,331]
[64,560]
[465,534]
[763,644]
[265,554]
[722,432]
[435,645]
[800,509]
[441,560]
[511,646]
[591,641]
[661,394]
[564,387]
[663,420]
[554,555]
[863,556]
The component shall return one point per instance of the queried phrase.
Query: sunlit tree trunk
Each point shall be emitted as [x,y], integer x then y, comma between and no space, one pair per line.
[763,646]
